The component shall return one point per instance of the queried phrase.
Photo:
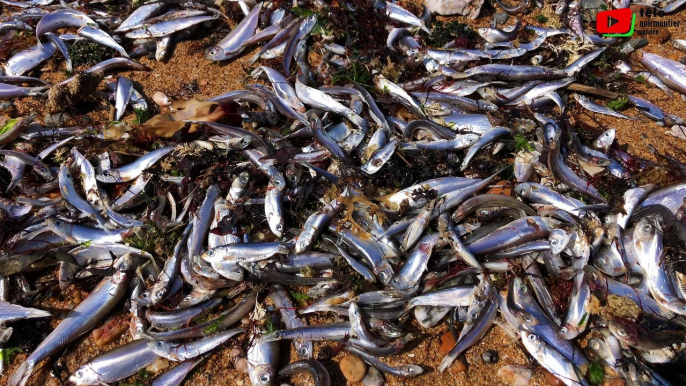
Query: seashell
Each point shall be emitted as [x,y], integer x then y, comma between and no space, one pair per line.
[160,99]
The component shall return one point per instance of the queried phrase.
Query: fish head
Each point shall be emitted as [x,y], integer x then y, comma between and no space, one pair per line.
[483,32]
[146,298]
[262,375]
[61,228]
[160,347]
[623,332]
[410,370]
[558,239]
[397,282]
[84,375]
[596,281]
[109,176]
[525,189]
[215,53]
[569,331]
[520,294]
[161,54]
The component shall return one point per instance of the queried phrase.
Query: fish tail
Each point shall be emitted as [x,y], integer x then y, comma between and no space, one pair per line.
[36,313]
[21,374]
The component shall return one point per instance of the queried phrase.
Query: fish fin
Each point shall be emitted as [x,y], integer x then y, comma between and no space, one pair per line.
[21,374]
[590,168]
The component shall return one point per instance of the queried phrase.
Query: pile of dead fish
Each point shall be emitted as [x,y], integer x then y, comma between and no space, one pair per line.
[370,258]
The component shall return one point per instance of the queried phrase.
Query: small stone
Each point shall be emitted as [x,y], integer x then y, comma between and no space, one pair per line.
[111,330]
[234,352]
[373,377]
[552,380]
[157,366]
[56,120]
[500,18]
[447,343]
[457,367]
[469,8]
[614,382]
[353,368]
[77,298]
[53,382]
[245,320]
[490,356]
[6,106]
[203,83]
[241,365]
[515,375]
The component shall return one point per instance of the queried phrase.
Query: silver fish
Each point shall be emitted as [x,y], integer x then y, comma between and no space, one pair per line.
[84,317]
[134,169]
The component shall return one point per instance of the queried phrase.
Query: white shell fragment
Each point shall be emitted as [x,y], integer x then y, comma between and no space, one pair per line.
[469,8]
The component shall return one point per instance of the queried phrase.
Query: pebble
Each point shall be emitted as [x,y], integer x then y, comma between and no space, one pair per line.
[373,377]
[157,366]
[457,367]
[447,343]
[241,365]
[552,380]
[353,368]
[77,298]
[111,330]
[515,375]
[56,120]
[614,382]
[6,106]
[245,320]
[500,18]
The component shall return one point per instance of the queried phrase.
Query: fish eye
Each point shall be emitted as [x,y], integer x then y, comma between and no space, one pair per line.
[159,343]
[621,332]
[79,374]
[145,295]
[213,52]
[123,267]
[564,331]
[106,173]
[210,252]
[304,351]
[532,338]
[647,228]
[265,377]
[528,318]
[595,345]
[475,315]
[554,242]
[523,288]
[58,223]
[68,175]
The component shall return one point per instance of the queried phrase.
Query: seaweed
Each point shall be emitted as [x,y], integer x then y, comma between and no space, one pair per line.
[87,53]
[356,72]
[442,33]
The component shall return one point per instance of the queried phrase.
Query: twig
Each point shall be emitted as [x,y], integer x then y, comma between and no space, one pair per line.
[593,90]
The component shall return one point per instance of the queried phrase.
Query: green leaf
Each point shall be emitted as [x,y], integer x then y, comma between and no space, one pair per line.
[521,143]
[10,124]
[595,373]
[141,116]
[6,353]
[302,12]
[583,319]
[641,79]
[541,19]
[212,328]
[269,327]
[87,243]
[617,104]
[301,299]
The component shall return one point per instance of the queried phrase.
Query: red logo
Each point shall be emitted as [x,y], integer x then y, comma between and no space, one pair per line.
[616,21]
